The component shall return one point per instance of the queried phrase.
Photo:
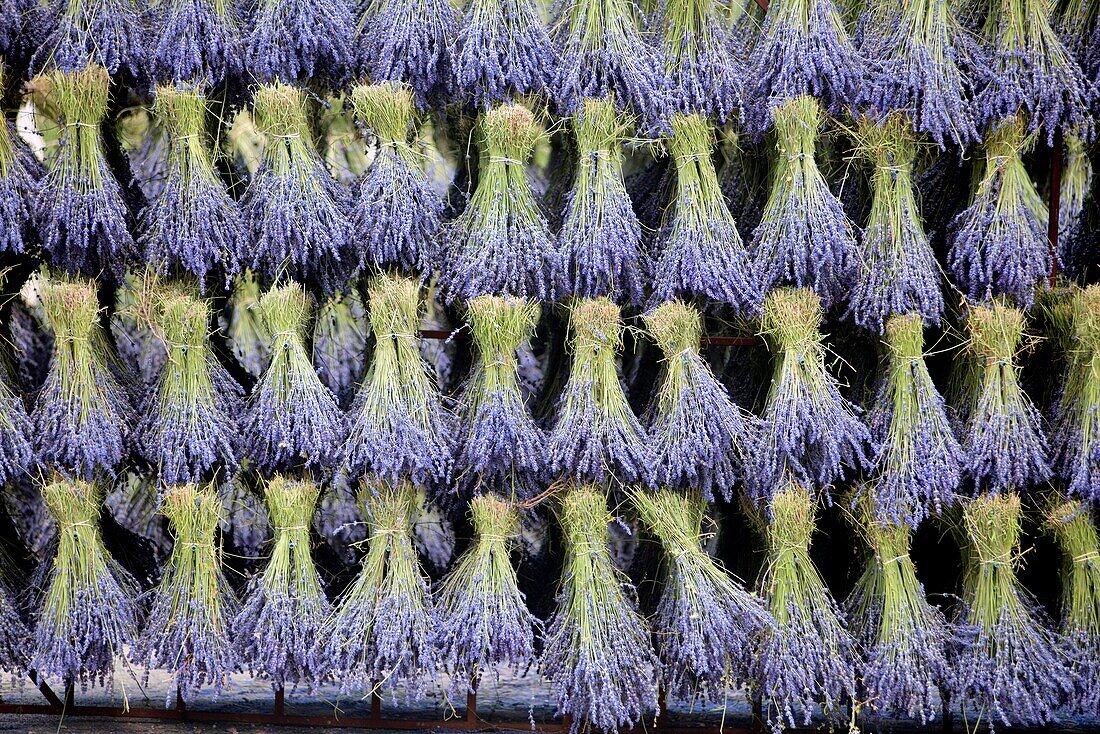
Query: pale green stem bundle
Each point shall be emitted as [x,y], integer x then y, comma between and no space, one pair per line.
[388,110]
[248,338]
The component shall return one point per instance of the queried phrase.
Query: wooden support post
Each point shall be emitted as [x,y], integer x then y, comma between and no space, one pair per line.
[1055,204]
[280,701]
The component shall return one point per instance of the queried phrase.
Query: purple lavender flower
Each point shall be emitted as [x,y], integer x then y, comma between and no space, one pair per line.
[15,637]
[16,434]
[340,344]
[20,173]
[13,29]
[78,34]
[295,40]
[1075,450]
[702,73]
[410,42]
[196,42]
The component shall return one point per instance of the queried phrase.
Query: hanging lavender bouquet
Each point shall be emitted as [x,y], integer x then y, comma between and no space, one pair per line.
[15,636]
[196,42]
[500,447]
[396,215]
[72,35]
[809,430]
[906,671]
[707,625]
[296,40]
[999,243]
[193,225]
[380,634]
[294,208]
[597,655]
[501,244]
[244,329]
[898,272]
[702,71]
[83,415]
[188,426]
[804,238]
[83,222]
[285,609]
[20,173]
[699,439]
[1078,25]
[1011,667]
[187,630]
[292,419]
[480,619]
[1075,448]
[596,437]
[699,251]
[17,454]
[410,42]
[87,612]
[340,343]
[1004,447]
[601,237]
[1073,526]
[399,426]
[917,458]
[808,657]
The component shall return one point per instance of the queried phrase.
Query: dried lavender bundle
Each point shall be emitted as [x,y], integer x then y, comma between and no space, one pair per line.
[380,634]
[597,656]
[13,32]
[702,68]
[809,430]
[1078,25]
[906,639]
[1004,447]
[244,328]
[72,35]
[699,439]
[187,630]
[1073,526]
[188,427]
[196,42]
[999,243]
[596,437]
[500,447]
[410,42]
[898,272]
[1011,667]
[699,251]
[294,208]
[340,343]
[1075,448]
[917,459]
[1031,72]
[808,657]
[17,454]
[193,225]
[87,613]
[804,238]
[1077,190]
[480,619]
[399,426]
[296,40]
[20,173]
[291,420]
[707,625]
[501,244]
[15,636]
[83,221]
[601,237]
[83,415]
[396,214]
[502,50]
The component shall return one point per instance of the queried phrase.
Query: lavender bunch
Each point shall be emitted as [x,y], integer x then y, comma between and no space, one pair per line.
[906,671]
[1073,526]
[699,439]
[1031,72]
[597,655]
[1077,185]
[502,50]
[919,57]
[395,214]
[82,218]
[381,631]
[1075,434]
[188,426]
[15,637]
[898,272]
[83,414]
[999,243]
[804,238]
[13,23]
[917,458]
[707,625]
[500,447]
[399,426]
[244,328]
[809,430]
[294,208]
[292,419]
[596,436]
[702,71]
[78,34]
[480,619]
[17,454]
[606,55]
[187,630]
[196,42]
[601,237]
[87,612]
[340,343]
[1011,665]
[1004,447]
[700,253]
[296,40]
[285,609]
[20,173]
[808,657]
[409,42]
[1078,25]
[501,244]
[193,225]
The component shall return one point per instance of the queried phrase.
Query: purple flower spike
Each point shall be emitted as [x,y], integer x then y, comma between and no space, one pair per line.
[702,72]
[13,28]
[1075,435]
[16,433]
[20,173]
[77,34]
[197,42]
[297,40]
[410,42]
[15,637]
